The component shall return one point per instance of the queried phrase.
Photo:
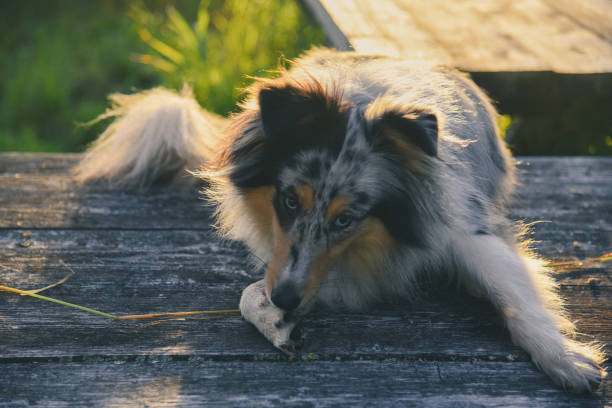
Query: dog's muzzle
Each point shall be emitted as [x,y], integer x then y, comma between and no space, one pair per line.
[286,296]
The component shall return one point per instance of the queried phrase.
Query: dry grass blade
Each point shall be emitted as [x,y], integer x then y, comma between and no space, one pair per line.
[110,316]
[176,315]
[201,312]
[61,302]
[59,282]
[34,293]
[155,323]
[594,262]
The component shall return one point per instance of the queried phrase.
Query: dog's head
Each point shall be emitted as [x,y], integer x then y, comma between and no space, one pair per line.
[311,180]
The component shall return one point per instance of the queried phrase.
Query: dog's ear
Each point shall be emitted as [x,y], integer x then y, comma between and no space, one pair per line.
[286,106]
[293,116]
[402,129]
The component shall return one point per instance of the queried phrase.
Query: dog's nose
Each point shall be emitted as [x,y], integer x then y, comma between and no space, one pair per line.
[285,297]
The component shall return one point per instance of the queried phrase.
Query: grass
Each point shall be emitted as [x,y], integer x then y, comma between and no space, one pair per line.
[63,61]
[66,56]
[226,40]
[35,294]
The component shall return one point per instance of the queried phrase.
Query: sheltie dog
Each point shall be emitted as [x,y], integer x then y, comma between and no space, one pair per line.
[349,177]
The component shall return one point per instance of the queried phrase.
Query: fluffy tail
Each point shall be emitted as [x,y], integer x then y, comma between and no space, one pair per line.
[156,134]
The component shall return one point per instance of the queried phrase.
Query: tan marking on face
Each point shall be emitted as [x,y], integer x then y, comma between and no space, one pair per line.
[367,252]
[411,153]
[337,206]
[364,254]
[306,195]
[282,245]
[258,203]
[318,273]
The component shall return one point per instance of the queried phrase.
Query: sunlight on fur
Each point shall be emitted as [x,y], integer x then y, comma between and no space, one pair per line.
[154,133]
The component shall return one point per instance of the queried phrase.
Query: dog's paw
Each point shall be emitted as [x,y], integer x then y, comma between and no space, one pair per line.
[577,370]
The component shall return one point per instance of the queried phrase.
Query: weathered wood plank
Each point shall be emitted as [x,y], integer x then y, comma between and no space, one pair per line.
[500,35]
[506,35]
[37,163]
[162,250]
[570,199]
[442,329]
[370,28]
[592,14]
[437,334]
[37,192]
[194,383]
[56,201]
[156,257]
[128,272]
[573,193]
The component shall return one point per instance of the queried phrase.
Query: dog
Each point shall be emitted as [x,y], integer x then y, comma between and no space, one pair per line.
[349,177]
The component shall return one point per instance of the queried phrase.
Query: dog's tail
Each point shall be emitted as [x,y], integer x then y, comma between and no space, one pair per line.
[155,135]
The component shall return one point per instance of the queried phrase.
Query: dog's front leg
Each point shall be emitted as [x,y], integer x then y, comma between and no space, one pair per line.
[275,324]
[525,295]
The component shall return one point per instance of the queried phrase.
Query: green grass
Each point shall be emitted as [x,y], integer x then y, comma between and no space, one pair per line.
[61,58]
[226,40]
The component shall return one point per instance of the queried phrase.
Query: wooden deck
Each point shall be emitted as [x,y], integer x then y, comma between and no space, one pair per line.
[155,252]
[563,36]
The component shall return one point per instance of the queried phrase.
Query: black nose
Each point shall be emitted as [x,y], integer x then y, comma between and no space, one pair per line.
[285,297]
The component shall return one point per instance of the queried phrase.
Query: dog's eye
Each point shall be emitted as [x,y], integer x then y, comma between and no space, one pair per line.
[291,202]
[342,221]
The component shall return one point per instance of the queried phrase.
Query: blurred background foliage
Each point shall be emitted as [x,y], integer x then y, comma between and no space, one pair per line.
[228,40]
[60,58]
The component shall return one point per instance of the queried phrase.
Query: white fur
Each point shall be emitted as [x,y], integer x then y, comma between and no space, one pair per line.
[521,289]
[155,133]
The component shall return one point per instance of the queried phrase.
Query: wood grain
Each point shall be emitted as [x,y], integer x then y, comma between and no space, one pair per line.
[141,252]
[194,383]
[499,35]
[593,15]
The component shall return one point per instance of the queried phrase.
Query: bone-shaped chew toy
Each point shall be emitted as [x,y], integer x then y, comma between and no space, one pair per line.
[269,319]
